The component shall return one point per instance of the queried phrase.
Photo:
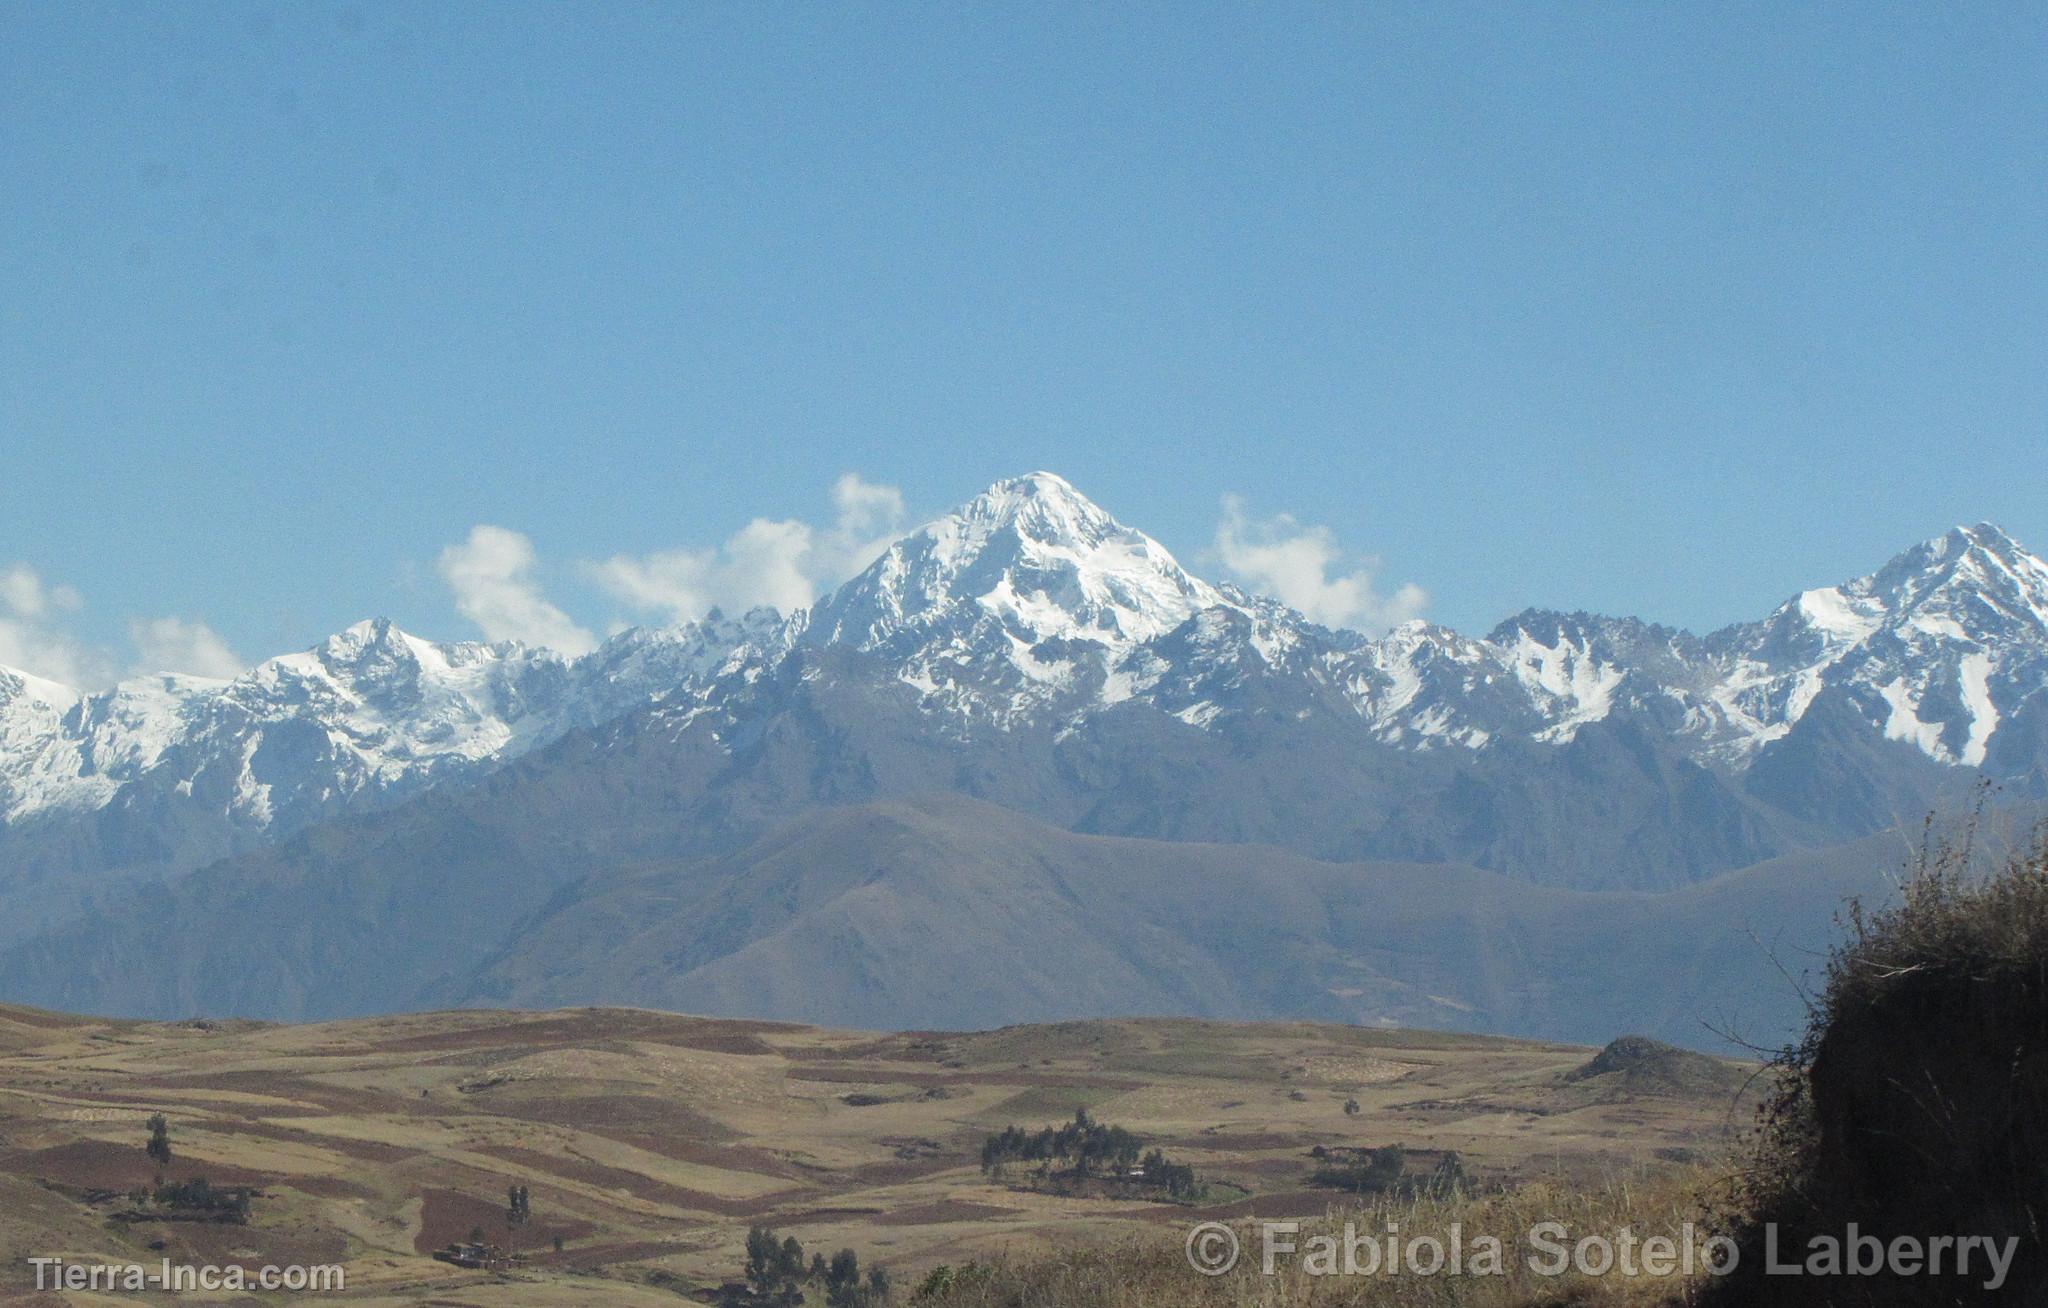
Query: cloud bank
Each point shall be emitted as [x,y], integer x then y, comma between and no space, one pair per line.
[491,577]
[1304,568]
[36,637]
[33,636]
[782,563]
[179,645]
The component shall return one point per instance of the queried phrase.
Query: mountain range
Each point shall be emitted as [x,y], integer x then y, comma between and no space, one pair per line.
[972,783]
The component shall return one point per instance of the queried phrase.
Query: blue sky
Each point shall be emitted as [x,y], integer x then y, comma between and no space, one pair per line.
[1669,310]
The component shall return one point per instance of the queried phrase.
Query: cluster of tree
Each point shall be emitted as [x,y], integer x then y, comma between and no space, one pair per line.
[776,1274]
[197,1197]
[187,1199]
[1385,1171]
[1177,1179]
[1086,1147]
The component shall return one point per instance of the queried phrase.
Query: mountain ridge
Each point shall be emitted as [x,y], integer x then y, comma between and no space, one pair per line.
[1024,765]
[1032,630]
[831,918]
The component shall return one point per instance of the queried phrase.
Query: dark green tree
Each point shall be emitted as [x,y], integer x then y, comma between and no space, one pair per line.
[775,1267]
[518,1210]
[842,1280]
[1086,1147]
[789,1261]
[159,1146]
[764,1254]
[1387,1166]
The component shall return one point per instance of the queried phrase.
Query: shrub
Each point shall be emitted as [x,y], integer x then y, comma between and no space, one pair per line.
[1916,1103]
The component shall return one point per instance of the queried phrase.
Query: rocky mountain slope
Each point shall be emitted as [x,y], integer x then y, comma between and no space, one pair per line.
[1028,652]
[1030,607]
[948,913]
[161,774]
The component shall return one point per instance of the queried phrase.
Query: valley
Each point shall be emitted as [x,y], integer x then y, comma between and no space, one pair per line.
[650,1142]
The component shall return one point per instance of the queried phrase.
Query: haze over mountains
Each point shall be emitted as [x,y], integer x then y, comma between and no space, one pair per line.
[892,809]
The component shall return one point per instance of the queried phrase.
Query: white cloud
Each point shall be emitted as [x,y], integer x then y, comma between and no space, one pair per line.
[33,637]
[491,575]
[23,594]
[179,645]
[870,520]
[1294,563]
[783,563]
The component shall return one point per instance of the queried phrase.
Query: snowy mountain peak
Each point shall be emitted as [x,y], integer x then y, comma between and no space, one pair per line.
[1938,647]
[1975,572]
[1986,536]
[18,687]
[371,635]
[1039,506]
[1030,605]
[377,644]
[1030,555]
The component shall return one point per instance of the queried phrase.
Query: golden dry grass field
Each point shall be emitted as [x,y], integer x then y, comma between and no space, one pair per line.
[649,1142]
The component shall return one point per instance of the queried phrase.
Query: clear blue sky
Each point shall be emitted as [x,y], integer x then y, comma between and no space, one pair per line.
[1658,309]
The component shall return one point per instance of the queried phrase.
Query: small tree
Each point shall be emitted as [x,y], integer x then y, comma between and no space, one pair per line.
[842,1280]
[762,1254]
[518,1210]
[1387,1166]
[775,1268]
[1351,1108]
[159,1146]
[789,1268]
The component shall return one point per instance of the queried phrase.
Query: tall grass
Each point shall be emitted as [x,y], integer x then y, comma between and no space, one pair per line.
[1154,1272]
[1915,1103]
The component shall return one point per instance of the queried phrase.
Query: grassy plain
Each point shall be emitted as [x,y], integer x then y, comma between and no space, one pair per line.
[649,1141]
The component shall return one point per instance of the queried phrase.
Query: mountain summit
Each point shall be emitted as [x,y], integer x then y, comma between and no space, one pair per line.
[1945,646]
[747,814]
[1031,623]
[1013,600]
[1030,558]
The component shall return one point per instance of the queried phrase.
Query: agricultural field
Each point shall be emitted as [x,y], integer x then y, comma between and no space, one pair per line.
[648,1143]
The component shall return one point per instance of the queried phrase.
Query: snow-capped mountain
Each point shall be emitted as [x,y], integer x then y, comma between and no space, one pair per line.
[1031,609]
[34,746]
[1031,599]
[1016,601]
[367,716]
[1945,646]
[1028,560]
[1937,649]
